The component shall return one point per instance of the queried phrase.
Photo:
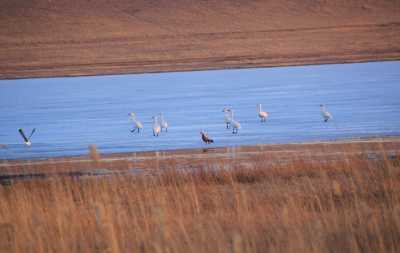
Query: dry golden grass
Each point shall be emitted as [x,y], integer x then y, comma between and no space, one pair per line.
[301,205]
[93,153]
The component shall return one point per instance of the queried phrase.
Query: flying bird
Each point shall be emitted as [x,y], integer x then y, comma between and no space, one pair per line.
[206,138]
[263,115]
[156,126]
[163,122]
[27,140]
[227,117]
[325,114]
[137,124]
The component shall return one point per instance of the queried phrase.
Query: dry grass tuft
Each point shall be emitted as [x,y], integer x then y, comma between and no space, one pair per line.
[93,153]
[351,204]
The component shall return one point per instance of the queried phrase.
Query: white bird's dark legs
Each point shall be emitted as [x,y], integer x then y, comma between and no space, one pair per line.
[135,129]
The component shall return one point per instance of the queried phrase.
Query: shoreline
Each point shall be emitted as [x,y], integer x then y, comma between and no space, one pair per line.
[188,159]
[365,139]
[117,70]
[172,69]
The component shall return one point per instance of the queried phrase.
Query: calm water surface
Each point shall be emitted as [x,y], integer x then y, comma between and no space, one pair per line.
[71,113]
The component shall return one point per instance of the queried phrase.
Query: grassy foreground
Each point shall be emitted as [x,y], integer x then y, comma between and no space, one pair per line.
[299,205]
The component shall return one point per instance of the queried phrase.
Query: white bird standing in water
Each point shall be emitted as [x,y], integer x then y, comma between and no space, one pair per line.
[325,114]
[263,115]
[137,124]
[163,122]
[206,138]
[156,126]
[227,117]
[235,124]
[27,140]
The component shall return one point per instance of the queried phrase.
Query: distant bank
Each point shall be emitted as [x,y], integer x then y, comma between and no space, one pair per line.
[74,38]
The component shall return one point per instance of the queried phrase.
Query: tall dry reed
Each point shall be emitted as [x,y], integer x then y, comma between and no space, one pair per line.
[299,205]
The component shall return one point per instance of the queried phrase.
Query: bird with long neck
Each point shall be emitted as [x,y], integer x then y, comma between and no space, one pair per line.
[325,114]
[163,122]
[156,126]
[262,114]
[227,117]
[137,124]
[235,124]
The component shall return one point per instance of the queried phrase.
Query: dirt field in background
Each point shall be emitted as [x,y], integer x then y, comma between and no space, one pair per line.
[69,37]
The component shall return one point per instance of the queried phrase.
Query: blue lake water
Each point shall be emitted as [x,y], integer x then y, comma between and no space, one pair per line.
[71,113]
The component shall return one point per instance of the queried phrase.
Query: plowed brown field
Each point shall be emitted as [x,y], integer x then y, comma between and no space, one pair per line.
[70,37]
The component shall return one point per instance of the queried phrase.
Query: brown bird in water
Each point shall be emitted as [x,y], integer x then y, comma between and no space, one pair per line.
[206,138]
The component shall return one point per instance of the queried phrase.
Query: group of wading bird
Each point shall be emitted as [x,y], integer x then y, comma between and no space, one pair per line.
[159,123]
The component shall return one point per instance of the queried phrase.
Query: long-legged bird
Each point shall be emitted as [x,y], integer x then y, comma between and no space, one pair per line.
[325,114]
[137,125]
[262,114]
[206,138]
[235,124]
[163,122]
[227,117]
[156,126]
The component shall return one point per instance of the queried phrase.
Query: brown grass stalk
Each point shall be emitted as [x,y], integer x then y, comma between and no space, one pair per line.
[301,205]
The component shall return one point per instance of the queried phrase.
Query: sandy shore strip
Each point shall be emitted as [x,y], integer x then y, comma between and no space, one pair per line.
[208,157]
